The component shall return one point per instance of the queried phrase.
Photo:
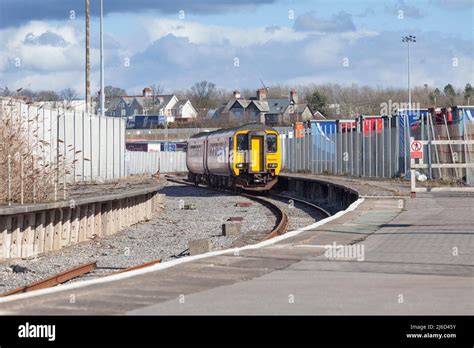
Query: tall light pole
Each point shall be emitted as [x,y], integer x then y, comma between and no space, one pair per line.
[409,39]
[88,62]
[102,94]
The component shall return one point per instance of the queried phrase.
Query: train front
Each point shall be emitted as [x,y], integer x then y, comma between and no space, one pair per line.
[257,157]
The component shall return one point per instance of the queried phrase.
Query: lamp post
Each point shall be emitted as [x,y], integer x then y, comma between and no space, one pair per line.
[102,94]
[88,65]
[409,39]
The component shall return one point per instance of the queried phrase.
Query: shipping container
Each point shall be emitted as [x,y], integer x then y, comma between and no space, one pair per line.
[148,121]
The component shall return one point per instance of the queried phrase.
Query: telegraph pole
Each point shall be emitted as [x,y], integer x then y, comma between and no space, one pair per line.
[88,62]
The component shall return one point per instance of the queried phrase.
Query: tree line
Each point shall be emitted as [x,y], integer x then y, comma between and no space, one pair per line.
[332,100]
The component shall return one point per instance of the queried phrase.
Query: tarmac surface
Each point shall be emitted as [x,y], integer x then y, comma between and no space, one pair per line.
[390,255]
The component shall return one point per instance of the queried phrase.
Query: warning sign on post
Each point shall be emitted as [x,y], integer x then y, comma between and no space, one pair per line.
[416,149]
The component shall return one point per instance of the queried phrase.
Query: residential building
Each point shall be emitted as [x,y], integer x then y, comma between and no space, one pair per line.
[271,111]
[167,105]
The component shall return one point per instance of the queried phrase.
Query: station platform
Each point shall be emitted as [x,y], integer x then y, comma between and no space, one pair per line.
[414,256]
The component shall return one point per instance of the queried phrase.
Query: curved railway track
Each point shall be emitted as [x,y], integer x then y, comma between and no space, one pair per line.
[282,220]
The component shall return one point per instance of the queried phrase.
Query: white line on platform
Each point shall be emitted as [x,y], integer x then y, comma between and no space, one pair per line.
[173,263]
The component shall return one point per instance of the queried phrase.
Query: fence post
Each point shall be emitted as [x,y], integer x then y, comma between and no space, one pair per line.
[352,149]
[9,180]
[22,194]
[376,149]
[90,144]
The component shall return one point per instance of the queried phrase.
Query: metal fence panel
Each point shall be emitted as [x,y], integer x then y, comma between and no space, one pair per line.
[139,162]
[91,147]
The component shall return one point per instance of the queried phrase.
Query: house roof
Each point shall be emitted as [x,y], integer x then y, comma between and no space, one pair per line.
[277,105]
[180,103]
[112,103]
[160,101]
[261,105]
[268,106]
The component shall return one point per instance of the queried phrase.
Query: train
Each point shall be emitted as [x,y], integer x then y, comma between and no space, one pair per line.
[247,157]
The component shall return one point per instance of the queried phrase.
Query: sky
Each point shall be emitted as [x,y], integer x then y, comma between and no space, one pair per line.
[237,44]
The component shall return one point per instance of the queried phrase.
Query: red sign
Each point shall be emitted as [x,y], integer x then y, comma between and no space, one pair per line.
[416,149]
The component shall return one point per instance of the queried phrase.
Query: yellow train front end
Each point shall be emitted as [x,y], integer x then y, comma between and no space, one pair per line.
[256,162]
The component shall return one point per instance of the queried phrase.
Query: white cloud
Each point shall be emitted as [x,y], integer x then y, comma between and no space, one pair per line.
[179,53]
[49,55]
[215,34]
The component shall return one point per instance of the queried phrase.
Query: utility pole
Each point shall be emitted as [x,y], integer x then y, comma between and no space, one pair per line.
[102,94]
[88,62]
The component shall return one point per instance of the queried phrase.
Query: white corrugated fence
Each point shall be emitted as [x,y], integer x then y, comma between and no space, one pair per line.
[137,162]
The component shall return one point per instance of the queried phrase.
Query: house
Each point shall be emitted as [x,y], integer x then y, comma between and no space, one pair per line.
[183,110]
[270,111]
[148,104]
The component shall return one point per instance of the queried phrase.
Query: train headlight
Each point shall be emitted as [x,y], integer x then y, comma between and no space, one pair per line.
[272,165]
[240,165]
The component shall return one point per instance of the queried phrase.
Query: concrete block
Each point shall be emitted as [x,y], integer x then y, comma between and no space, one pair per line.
[161,198]
[26,240]
[49,231]
[39,233]
[66,230]
[74,225]
[58,226]
[231,228]
[6,231]
[98,220]
[199,246]
[82,223]
[90,220]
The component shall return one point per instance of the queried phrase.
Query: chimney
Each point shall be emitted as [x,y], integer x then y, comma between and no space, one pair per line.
[261,94]
[237,94]
[294,96]
[147,92]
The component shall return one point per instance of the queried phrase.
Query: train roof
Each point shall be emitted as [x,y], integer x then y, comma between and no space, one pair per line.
[249,126]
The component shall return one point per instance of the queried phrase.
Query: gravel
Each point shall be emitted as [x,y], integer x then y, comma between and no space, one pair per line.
[299,215]
[163,237]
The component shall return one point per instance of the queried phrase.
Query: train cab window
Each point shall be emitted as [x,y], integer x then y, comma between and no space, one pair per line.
[242,142]
[271,143]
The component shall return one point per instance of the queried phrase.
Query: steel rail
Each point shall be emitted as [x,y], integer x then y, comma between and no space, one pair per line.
[143,265]
[55,279]
[303,201]
[71,274]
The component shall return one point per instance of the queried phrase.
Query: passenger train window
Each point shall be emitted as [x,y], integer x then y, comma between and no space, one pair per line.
[242,142]
[271,143]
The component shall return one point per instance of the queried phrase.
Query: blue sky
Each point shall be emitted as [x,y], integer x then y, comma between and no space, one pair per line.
[235,44]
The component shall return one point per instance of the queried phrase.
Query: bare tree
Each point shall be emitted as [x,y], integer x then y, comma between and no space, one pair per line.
[158,89]
[111,91]
[68,95]
[5,92]
[203,94]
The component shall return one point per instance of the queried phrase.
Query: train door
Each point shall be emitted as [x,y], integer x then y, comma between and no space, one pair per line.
[256,153]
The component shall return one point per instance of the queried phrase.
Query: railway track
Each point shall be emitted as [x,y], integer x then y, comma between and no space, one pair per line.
[281,224]
[282,220]
[71,274]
